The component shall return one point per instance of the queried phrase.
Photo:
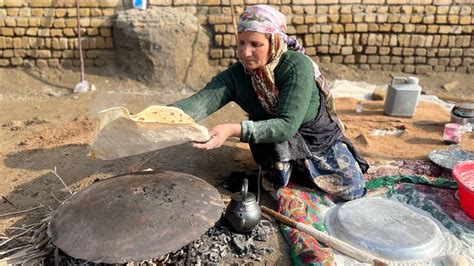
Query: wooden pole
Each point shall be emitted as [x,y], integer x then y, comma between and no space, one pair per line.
[79,40]
[234,23]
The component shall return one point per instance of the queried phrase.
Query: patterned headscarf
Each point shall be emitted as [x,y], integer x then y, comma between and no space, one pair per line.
[267,20]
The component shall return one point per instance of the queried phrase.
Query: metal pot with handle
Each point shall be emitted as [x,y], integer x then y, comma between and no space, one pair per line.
[243,212]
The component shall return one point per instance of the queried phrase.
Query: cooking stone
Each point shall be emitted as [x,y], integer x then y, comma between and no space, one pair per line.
[135,217]
[386,229]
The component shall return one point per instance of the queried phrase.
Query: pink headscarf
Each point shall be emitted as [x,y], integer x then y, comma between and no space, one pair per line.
[266,19]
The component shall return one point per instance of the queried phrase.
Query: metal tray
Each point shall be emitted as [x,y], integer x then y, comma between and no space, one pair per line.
[449,157]
[387,229]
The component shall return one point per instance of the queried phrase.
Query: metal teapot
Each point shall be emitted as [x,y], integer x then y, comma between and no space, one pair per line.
[243,212]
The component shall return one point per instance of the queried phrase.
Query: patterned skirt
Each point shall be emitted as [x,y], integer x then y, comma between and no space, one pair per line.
[335,171]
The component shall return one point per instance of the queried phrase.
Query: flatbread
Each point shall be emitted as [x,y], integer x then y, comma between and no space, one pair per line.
[118,134]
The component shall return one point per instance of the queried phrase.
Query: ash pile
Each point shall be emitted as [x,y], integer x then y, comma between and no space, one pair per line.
[220,244]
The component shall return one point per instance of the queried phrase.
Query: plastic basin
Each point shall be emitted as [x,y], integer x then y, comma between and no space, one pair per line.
[463,173]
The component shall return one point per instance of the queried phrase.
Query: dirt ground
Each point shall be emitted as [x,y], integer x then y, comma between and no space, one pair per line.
[43,126]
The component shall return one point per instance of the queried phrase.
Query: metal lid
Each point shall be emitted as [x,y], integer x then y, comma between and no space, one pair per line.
[239,196]
[467,106]
[387,229]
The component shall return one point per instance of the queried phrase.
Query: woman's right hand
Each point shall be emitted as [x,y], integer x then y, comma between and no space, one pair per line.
[219,135]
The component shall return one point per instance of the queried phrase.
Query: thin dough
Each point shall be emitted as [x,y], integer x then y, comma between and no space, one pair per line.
[118,134]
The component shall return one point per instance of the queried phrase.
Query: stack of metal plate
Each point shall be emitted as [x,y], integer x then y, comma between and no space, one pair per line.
[386,229]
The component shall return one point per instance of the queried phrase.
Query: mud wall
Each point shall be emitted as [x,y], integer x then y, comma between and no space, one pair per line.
[415,36]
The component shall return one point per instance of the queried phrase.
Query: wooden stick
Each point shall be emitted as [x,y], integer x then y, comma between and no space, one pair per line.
[234,24]
[60,179]
[79,39]
[18,212]
[332,242]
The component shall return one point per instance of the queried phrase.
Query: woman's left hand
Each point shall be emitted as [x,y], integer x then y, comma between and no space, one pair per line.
[219,135]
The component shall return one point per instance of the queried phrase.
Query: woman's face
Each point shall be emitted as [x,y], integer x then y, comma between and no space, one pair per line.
[253,49]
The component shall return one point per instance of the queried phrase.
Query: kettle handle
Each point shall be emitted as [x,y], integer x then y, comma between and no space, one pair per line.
[245,187]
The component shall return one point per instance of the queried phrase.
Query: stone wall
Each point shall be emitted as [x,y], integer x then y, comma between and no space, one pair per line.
[415,36]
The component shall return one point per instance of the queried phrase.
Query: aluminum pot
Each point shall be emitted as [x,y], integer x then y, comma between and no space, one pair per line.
[243,212]
[463,113]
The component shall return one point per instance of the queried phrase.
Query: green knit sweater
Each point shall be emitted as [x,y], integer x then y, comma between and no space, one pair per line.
[298,101]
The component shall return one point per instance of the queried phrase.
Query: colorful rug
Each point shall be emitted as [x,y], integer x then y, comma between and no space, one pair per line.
[417,183]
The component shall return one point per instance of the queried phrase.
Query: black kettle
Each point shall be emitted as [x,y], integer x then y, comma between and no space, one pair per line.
[243,212]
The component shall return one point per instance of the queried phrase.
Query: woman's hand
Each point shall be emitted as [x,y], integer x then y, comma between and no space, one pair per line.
[219,134]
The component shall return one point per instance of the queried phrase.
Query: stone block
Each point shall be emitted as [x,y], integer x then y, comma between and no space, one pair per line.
[465,20]
[106,32]
[22,22]
[404,19]
[442,2]
[384,59]
[358,18]
[19,31]
[346,50]
[53,62]
[43,32]
[8,53]
[298,20]
[409,69]
[362,27]
[69,32]
[337,28]
[19,53]
[37,12]
[100,42]
[219,19]
[208,2]
[384,50]
[16,61]
[84,12]
[320,19]
[12,3]
[386,27]
[7,32]
[408,51]
[110,3]
[101,22]
[453,19]
[85,22]
[303,2]
[41,63]
[322,9]
[59,23]
[34,22]
[333,18]
[371,50]
[423,69]
[395,60]
[441,19]
[324,49]
[4,62]
[47,22]
[456,52]
[310,19]
[10,22]
[420,60]
[334,49]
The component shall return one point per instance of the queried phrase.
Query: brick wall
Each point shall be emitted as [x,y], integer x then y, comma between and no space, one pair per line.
[415,36]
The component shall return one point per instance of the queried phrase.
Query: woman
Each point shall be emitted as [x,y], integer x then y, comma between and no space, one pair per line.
[292,126]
